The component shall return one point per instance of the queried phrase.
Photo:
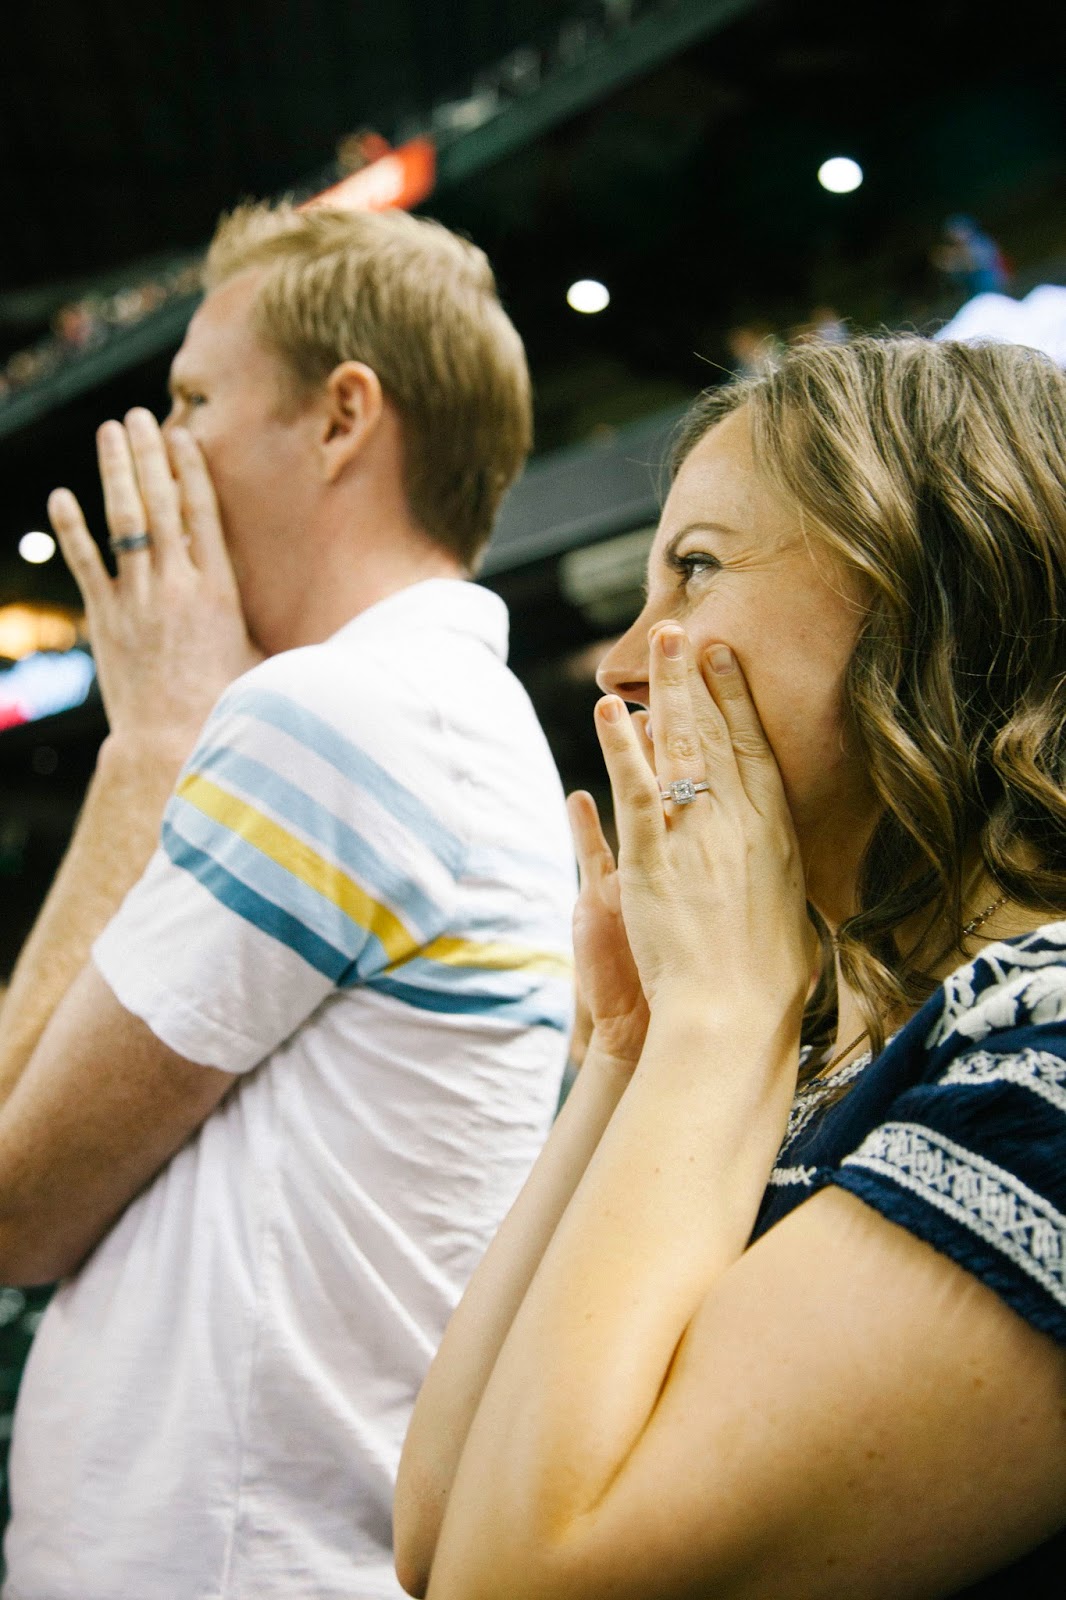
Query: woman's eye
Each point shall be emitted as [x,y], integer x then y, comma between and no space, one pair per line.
[695,564]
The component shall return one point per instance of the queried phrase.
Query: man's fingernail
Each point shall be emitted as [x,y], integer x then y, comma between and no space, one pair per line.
[721,658]
[611,708]
[672,642]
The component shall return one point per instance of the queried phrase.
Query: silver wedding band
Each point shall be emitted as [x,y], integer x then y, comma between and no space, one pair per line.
[684,791]
[132,541]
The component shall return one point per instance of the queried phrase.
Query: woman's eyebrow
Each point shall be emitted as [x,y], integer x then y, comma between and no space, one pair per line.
[704,527]
[697,527]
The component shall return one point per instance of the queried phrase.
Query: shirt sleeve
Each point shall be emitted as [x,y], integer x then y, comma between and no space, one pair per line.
[292,863]
[973,1161]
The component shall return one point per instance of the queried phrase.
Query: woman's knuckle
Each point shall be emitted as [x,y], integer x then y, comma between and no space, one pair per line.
[682,746]
[644,803]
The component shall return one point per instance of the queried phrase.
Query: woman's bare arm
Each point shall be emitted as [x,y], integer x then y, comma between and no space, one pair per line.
[848,1413]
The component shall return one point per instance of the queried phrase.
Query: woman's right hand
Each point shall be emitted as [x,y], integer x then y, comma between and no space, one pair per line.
[607,983]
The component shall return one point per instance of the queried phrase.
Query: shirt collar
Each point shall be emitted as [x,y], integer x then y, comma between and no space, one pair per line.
[456,605]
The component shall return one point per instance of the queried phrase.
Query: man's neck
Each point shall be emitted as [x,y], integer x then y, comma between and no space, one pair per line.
[341,583]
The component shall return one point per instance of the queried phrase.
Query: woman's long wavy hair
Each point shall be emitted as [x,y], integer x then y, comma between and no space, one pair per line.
[936,472]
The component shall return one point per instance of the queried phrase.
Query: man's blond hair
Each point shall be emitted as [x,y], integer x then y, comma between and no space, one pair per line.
[417,304]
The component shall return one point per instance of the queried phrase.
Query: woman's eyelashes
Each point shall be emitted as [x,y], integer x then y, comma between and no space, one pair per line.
[693,564]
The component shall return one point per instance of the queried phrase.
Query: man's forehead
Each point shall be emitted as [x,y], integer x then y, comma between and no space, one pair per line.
[187,363]
[221,320]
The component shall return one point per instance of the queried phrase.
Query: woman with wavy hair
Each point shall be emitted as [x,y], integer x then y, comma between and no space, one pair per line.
[781,1310]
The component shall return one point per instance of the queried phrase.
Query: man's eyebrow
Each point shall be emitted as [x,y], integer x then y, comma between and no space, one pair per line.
[178,377]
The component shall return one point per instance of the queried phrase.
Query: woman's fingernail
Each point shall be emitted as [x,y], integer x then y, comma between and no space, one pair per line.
[611,708]
[672,642]
[721,658]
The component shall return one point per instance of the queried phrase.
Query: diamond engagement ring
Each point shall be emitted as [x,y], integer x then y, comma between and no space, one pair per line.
[132,541]
[684,791]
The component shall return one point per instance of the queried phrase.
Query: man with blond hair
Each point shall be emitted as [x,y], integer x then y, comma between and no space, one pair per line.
[290,1027]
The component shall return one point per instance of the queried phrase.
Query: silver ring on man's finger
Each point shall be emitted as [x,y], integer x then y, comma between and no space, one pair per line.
[684,791]
[132,541]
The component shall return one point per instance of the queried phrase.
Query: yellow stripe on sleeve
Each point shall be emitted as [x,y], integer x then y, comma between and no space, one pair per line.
[497,957]
[302,862]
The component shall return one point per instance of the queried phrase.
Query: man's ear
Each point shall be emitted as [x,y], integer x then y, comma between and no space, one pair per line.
[353,412]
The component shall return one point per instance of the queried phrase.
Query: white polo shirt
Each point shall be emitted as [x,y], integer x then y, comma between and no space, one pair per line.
[361,903]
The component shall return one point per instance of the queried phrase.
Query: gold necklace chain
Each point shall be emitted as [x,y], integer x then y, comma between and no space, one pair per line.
[841,1055]
[983,916]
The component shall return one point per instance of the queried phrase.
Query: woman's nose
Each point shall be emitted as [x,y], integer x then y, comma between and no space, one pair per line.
[624,669]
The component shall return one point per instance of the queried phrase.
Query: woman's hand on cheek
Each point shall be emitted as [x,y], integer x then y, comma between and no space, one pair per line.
[607,980]
[712,891]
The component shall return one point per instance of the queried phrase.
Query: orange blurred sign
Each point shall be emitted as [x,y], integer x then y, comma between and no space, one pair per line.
[25,629]
[398,180]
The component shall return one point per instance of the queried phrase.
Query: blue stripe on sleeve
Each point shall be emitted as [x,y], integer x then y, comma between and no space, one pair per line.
[354,765]
[254,908]
[327,831]
[267,881]
[542,1008]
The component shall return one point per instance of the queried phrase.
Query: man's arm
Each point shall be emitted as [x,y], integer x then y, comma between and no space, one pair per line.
[100,1107]
[112,843]
[168,636]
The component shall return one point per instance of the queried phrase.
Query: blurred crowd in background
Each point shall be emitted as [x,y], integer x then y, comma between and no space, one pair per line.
[93,321]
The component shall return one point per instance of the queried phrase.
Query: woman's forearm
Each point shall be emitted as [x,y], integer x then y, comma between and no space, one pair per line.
[456,1381]
[665,1207]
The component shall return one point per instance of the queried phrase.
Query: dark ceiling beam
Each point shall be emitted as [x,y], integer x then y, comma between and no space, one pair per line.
[504,124]
[604,65]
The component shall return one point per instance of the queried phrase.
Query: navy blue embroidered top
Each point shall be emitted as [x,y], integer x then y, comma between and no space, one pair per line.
[957,1132]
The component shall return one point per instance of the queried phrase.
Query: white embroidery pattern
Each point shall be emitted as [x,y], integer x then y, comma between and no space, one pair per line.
[782,1177]
[810,1096]
[992,1203]
[1037,1070]
[1029,984]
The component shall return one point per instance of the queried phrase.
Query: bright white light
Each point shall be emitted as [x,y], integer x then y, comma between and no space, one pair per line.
[840,174]
[588,296]
[37,547]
